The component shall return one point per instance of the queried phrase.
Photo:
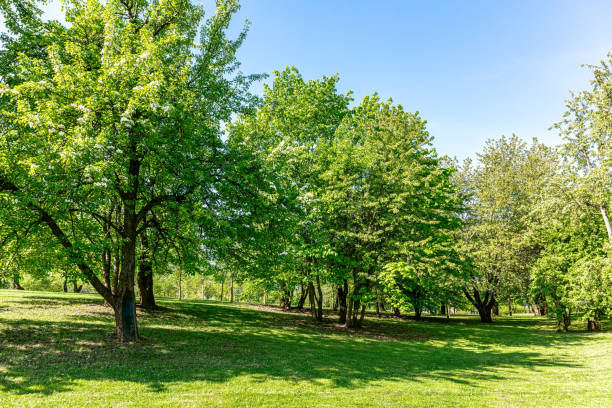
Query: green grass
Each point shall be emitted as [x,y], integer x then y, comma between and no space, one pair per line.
[56,350]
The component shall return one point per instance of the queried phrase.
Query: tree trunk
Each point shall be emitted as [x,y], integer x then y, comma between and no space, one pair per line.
[443,309]
[341,296]
[145,276]
[417,313]
[16,284]
[509,306]
[539,307]
[319,300]
[495,309]
[222,283]
[303,295]
[595,323]
[232,290]
[202,288]
[314,303]
[353,320]
[484,306]
[396,312]
[76,288]
[485,313]
[285,300]
[180,282]
[65,284]
[604,214]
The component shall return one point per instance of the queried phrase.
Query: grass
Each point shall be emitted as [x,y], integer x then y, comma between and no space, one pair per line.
[56,350]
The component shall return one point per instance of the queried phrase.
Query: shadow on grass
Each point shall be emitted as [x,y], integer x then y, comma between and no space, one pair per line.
[196,341]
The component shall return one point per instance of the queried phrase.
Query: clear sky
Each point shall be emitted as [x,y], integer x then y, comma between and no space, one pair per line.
[474,69]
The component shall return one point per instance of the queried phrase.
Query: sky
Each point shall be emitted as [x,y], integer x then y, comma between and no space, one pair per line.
[475,70]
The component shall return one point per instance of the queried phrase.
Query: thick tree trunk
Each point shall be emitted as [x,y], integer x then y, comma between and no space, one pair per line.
[417,313]
[76,288]
[495,309]
[341,296]
[485,313]
[484,306]
[396,312]
[443,309]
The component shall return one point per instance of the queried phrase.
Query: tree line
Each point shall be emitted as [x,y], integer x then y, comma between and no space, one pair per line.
[131,146]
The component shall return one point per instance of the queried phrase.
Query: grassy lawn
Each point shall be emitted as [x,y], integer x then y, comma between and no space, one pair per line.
[56,350]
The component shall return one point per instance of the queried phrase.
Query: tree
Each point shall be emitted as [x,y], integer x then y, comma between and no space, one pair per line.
[502,188]
[295,119]
[389,204]
[120,117]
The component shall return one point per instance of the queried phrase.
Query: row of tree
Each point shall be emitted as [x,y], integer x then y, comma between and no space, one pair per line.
[129,149]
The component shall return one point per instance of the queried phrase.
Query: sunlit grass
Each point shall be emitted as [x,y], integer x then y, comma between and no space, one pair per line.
[57,350]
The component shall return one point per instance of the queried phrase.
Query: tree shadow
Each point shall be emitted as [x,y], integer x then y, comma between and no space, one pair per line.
[196,341]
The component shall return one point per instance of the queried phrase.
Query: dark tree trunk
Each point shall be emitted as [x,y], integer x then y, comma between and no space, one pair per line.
[509,307]
[319,300]
[485,313]
[76,288]
[417,313]
[495,309]
[484,306]
[302,300]
[16,284]
[342,293]
[65,284]
[377,308]
[443,309]
[396,312]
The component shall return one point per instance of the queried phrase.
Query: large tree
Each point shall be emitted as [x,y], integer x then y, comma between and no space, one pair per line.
[118,117]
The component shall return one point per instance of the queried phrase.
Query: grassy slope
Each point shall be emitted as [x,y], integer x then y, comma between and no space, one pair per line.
[56,350]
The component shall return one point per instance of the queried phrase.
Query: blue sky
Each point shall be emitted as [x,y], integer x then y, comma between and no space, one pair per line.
[474,69]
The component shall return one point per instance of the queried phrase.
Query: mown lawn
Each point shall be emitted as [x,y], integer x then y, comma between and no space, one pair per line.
[56,350]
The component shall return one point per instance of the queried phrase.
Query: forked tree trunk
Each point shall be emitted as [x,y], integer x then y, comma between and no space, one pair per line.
[353,319]
[483,305]
[595,323]
[76,288]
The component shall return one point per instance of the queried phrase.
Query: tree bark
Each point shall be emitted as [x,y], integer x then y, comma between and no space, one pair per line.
[396,312]
[484,306]
[509,306]
[76,288]
[145,275]
[302,300]
[16,284]
[341,296]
